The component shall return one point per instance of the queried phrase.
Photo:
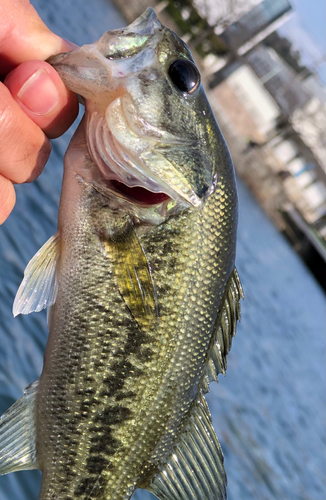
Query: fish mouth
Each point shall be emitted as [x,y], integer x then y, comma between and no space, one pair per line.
[117,169]
[139,195]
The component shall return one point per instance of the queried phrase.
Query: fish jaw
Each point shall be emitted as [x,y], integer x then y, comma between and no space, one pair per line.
[88,70]
[131,157]
[147,23]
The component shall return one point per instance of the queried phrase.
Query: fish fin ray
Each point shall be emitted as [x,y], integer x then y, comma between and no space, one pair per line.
[17,434]
[133,274]
[224,330]
[39,287]
[195,468]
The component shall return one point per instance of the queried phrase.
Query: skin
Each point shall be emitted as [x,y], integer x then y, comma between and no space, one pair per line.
[35,105]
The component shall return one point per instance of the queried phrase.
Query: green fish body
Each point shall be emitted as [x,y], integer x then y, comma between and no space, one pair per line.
[141,282]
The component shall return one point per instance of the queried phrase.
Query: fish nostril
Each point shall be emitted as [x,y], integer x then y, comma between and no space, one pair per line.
[203,191]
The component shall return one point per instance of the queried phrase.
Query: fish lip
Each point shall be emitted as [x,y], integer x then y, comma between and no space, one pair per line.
[146,24]
[108,176]
[109,186]
[57,58]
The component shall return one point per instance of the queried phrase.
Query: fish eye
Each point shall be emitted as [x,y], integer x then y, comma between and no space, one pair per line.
[184,75]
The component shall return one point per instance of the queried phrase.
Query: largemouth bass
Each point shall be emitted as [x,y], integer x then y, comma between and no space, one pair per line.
[140,282]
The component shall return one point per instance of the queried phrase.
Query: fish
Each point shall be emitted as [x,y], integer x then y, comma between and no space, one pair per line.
[140,283]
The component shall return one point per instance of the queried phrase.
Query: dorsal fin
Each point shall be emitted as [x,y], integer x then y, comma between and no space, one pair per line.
[195,468]
[224,331]
[17,434]
[39,287]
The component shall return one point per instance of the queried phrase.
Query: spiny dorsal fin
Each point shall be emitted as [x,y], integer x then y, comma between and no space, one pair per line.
[17,434]
[132,272]
[195,468]
[224,331]
[39,286]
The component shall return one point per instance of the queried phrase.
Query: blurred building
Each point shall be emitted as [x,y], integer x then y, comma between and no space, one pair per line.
[270,110]
[303,180]
[224,12]
[246,32]
[240,24]
[281,114]
[239,20]
[309,122]
[255,25]
[283,84]
[251,111]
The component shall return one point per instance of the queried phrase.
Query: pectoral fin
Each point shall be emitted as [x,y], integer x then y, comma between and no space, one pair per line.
[195,468]
[39,286]
[132,273]
[17,434]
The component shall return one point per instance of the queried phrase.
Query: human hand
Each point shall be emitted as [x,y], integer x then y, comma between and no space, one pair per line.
[35,105]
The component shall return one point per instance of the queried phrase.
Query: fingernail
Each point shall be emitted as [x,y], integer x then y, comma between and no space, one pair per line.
[39,94]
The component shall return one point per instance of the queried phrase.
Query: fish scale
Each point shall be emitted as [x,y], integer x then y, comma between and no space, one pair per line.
[186,265]
[144,295]
[96,339]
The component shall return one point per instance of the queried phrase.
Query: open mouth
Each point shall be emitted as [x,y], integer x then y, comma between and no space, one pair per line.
[123,161]
[119,173]
[139,194]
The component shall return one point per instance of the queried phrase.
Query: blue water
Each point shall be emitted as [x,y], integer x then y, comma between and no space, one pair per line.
[269,411]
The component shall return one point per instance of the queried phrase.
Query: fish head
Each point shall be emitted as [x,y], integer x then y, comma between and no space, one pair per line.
[150,128]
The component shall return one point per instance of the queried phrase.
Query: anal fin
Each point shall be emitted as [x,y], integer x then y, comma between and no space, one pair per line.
[195,470]
[17,434]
